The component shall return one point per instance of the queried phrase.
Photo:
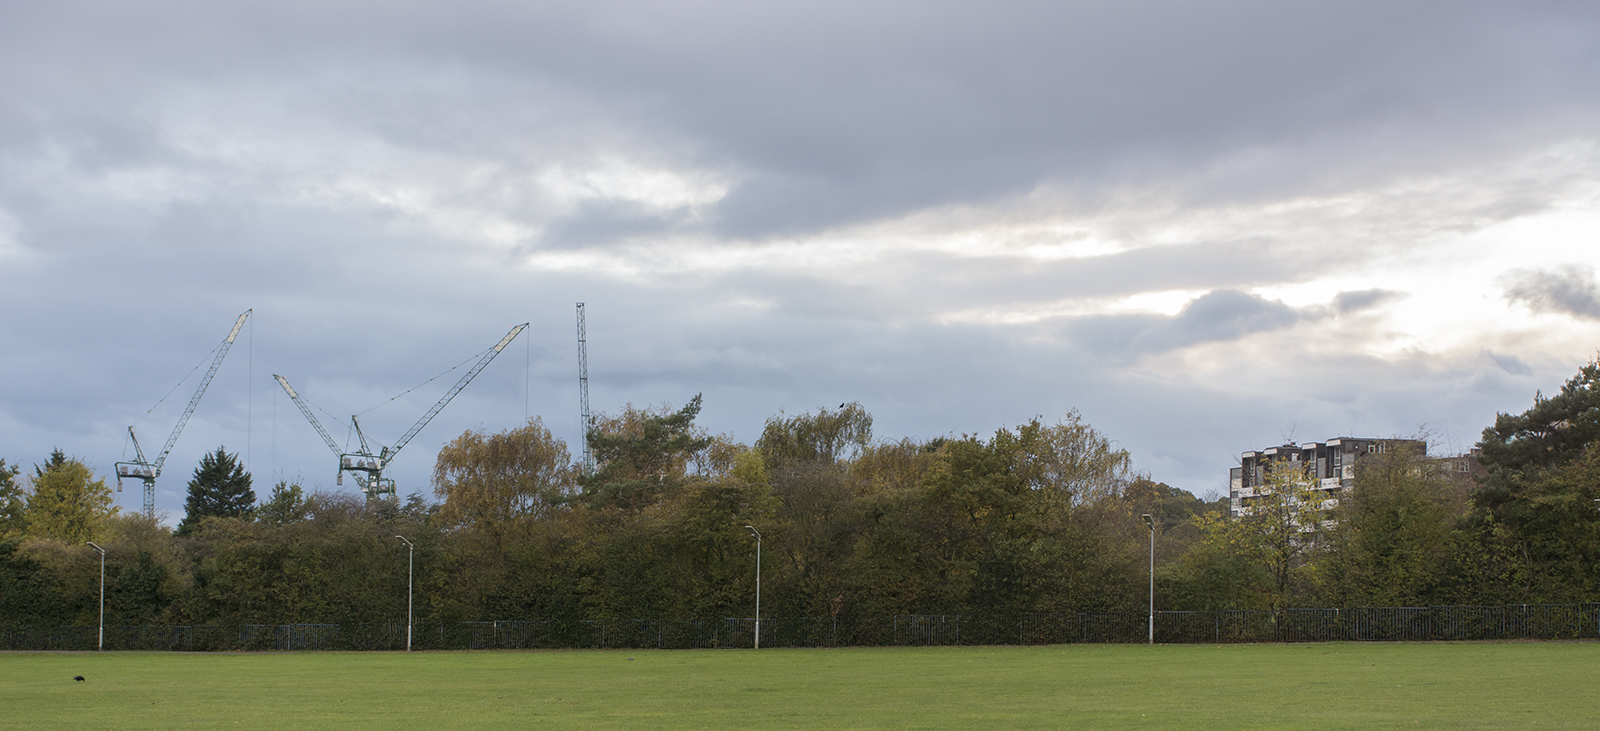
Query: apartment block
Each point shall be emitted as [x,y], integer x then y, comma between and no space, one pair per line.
[1330,464]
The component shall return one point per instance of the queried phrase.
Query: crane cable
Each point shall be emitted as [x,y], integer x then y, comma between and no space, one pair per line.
[179,384]
[350,426]
[163,399]
[478,356]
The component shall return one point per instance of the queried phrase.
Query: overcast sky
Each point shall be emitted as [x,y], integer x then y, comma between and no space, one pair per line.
[1209,227]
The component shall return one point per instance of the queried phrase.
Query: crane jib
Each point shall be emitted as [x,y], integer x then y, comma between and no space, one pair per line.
[149,471]
[216,363]
[510,336]
[373,465]
[483,363]
[306,410]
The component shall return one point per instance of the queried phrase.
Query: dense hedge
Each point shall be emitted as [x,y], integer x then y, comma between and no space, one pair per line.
[1407,624]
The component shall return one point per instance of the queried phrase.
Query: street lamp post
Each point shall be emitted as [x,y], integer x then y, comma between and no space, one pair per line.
[757,534]
[411,555]
[1151,522]
[102,642]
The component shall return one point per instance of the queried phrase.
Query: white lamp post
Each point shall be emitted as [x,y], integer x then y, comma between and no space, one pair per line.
[1151,522]
[102,644]
[757,534]
[411,555]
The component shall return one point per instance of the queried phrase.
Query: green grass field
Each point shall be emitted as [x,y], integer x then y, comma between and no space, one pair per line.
[1312,686]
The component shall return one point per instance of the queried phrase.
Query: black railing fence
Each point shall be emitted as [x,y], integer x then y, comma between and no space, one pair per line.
[1375,624]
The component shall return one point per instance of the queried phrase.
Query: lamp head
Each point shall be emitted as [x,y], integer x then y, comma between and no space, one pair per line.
[1148,520]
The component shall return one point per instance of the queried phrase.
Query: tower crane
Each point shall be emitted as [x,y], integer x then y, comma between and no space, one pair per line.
[147,471]
[583,393]
[366,466]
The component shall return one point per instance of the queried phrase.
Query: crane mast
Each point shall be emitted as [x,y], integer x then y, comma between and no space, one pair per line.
[583,394]
[364,465]
[146,471]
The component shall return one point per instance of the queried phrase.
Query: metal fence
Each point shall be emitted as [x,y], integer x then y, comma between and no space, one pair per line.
[1363,624]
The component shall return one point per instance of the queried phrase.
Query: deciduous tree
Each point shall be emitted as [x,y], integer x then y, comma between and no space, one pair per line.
[1393,536]
[287,504]
[67,504]
[1035,510]
[827,437]
[1262,558]
[490,479]
[13,503]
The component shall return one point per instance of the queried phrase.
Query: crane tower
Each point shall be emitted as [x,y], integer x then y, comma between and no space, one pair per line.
[583,394]
[366,466]
[146,471]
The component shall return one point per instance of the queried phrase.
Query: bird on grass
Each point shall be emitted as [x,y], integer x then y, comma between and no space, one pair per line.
[78,678]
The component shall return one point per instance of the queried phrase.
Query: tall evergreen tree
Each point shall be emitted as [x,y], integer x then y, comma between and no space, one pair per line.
[642,455]
[220,488]
[1553,432]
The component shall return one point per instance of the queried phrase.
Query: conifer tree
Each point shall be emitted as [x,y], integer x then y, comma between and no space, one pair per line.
[1553,432]
[220,488]
[641,455]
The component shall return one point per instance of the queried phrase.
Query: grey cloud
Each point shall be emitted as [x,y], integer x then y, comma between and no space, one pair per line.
[946,281]
[1349,302]
[832,113]
[605,223]
[1220,315]
[1568,290]
[1224,315]
[1509,363]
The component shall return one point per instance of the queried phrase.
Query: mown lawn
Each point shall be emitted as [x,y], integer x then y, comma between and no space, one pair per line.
[1312,686]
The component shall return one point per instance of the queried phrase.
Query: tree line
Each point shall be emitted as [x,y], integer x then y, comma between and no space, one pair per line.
[1041,517]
